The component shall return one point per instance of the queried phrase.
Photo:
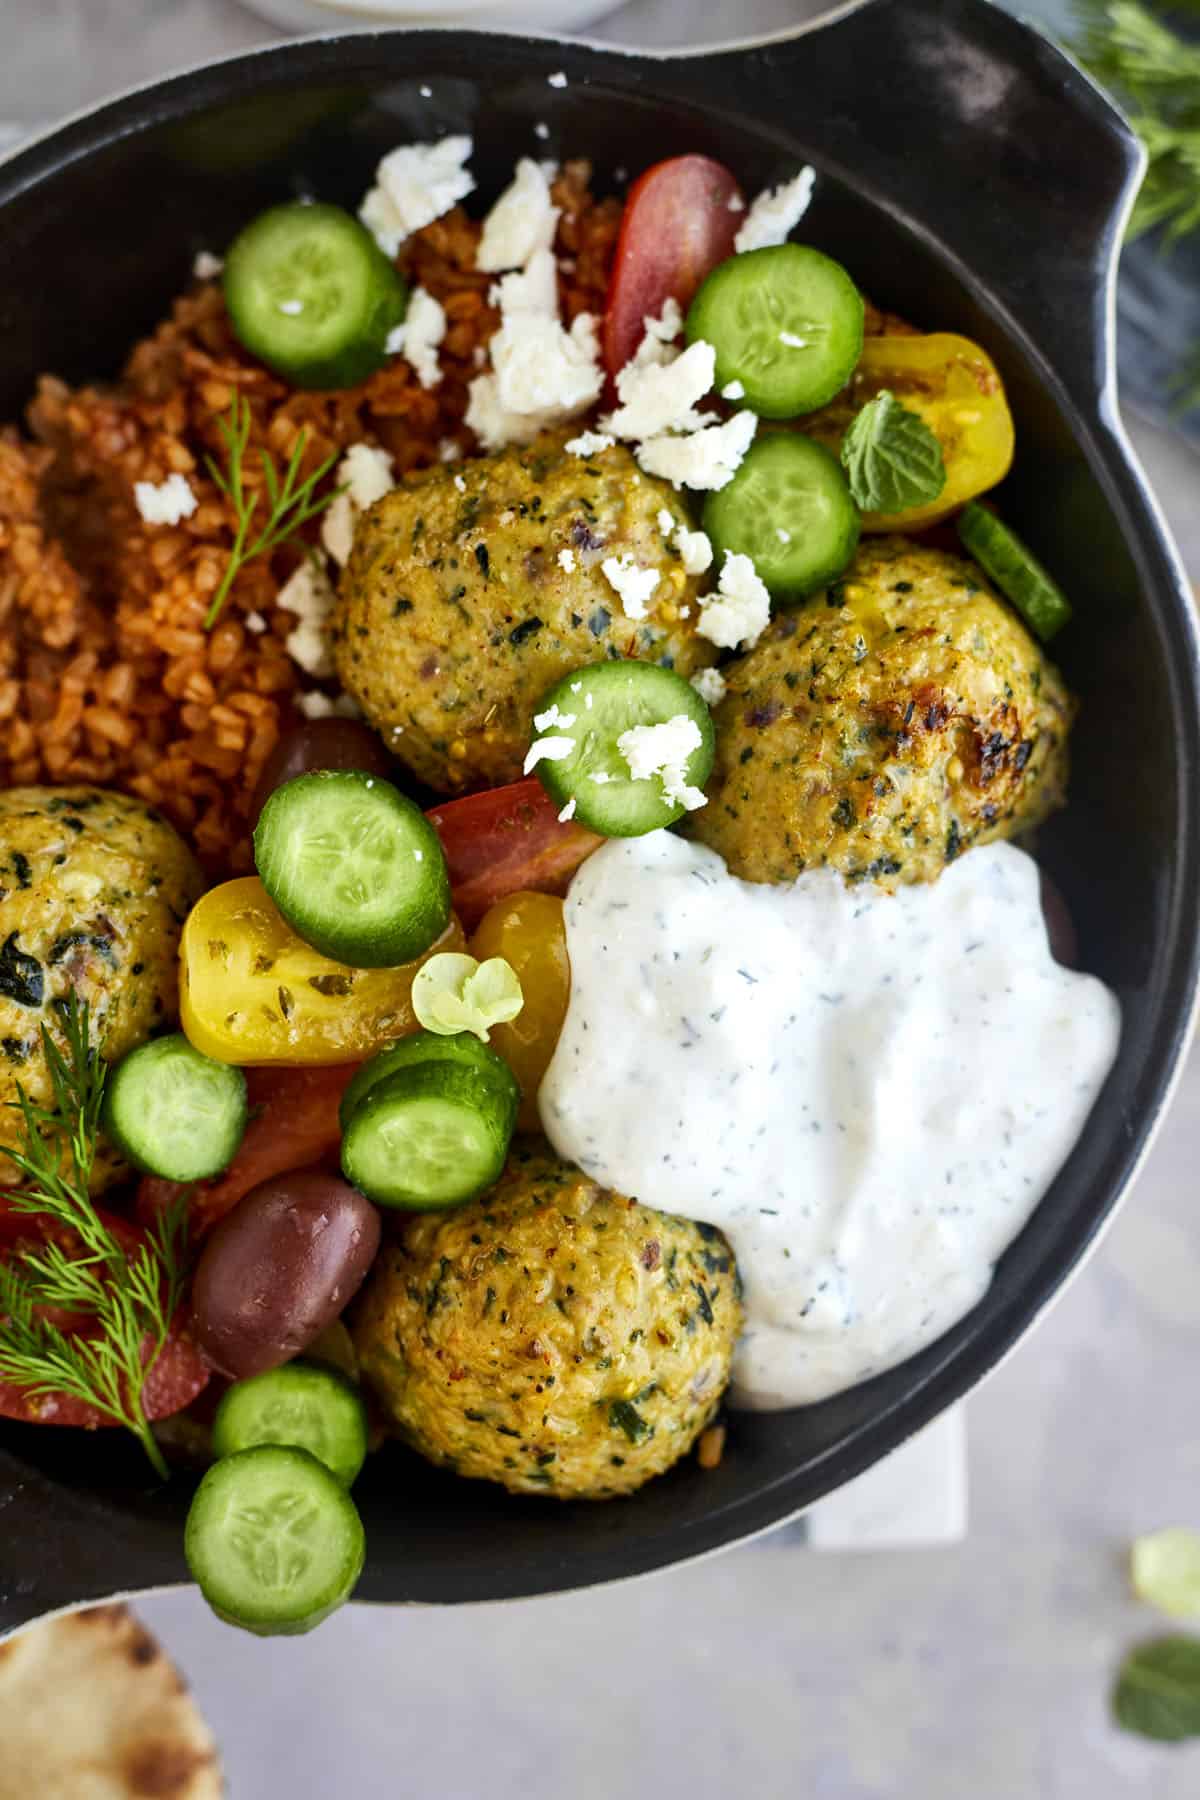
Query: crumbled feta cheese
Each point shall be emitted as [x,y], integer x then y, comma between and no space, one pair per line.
[541,130]
[524,219]
[658,397]
[449,450]
[663,750]
[414,185]
[542,375]
[315,705]
[600,777]
[666,522]
[255,622]
[695,550]
[309,594]
[165,502]
[557,80]
[365,475]
[293,308]
[710,685]
[552,716]
[733,390]
[659,335]
[566,560]
[737,614]
[735,203]
[460,483]
[568,811]
[418,335]
[775,213]
[708,458]
[632,585]
[793,342]
[590,443]
[548,749]
[533,289]
[206,266]
[783,534]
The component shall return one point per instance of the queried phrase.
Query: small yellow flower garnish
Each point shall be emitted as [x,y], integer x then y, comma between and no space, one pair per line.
[1165,1566]
[456,993]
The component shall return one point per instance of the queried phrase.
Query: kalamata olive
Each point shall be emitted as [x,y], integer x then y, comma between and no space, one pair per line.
[1060,926]
[280,1268]
[322,744]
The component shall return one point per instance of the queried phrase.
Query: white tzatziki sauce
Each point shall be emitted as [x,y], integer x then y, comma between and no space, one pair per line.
[869,1093]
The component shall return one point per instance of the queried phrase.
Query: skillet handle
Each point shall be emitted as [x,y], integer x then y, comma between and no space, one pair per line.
[954,111]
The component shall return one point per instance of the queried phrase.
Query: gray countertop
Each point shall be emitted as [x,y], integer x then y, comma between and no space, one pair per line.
[979,1670]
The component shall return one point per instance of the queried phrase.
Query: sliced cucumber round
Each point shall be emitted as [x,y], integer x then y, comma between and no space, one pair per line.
[787,322]
[302,1404]
[430,1136]
[461,1047]
[1015,570]
[355,868]
[273,1540]
[172,1111]
[604,700]
[311,293]
[789,509]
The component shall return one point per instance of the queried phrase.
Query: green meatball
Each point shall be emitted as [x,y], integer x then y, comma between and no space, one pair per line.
[476,585]
[885,727]
[552,1336]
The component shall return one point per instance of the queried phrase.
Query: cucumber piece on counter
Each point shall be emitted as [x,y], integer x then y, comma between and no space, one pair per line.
[273,1540]
[585,762]
[305,1405]
[789,509]
[355,868]
[1015,570]
[461,1047]
[311,293]
[787,322]
[430,1136]
[172,1111]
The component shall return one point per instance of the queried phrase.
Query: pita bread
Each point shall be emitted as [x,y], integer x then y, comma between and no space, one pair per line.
[91,1708]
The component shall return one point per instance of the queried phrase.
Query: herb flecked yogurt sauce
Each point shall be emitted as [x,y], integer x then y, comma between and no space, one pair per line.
[869,1093]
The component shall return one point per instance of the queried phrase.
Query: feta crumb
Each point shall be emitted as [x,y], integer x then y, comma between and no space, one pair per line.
[737,614]
[576,687]
[632,585]
[695,550]
[557,80]
[735,203]
[460,484]
[418,335]
[710,685]
[600,777]
[165,502]
[659,335]
[315,705]
[414,185]
[293,308]
[309,594]
[552,716]
[587,701]
[541,130]
[590,443]
[568,811]
[365,475]
[666,522]
[548,749]
[708,458]
[566,560]
[449,450]
[733,390]
[206,266]
[541,376]
[792,341]
[523,220]
[658,397]
[663,750]
[254,622]
[776,212]
[784,536]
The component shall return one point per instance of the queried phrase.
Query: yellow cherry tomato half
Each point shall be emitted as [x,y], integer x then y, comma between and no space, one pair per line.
[251,991]
[527,931]
[956,388]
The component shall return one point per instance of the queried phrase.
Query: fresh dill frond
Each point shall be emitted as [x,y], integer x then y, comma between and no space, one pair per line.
[291,502]
[130,1298]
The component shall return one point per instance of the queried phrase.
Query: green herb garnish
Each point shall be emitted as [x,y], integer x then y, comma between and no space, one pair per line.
[1158,1690]
[291,502]
[132,1298]
[892,458]
[624,1416]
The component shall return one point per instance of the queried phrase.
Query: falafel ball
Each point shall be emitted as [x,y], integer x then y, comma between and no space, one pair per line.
[94,887]
[552,1336]
[476,585]
[898,718]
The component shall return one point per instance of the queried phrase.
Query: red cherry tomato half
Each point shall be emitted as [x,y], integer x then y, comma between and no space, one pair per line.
[505,841]
[677,226]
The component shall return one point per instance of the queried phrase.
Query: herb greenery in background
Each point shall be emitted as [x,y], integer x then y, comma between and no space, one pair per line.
[1157,1692]
[1152,69]
[130,1297]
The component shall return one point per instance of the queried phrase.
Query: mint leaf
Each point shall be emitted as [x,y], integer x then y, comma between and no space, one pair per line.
[1158,1690]
[892,458]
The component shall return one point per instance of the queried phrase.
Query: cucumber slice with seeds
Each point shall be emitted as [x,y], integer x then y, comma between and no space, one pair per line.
[302,1404]
[430,1136]
[273,1541]
[355,868]
[1015,570]
[172,1111]
[789,509]
[461,1047]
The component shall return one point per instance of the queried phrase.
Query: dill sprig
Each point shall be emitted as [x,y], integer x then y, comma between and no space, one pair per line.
[131,1299]
[291,502]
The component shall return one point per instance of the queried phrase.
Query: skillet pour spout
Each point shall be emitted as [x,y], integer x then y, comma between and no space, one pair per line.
[970,176]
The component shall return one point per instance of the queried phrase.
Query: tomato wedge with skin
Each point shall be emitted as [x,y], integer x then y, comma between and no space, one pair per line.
[507,840]
[293,1124]
[680,220]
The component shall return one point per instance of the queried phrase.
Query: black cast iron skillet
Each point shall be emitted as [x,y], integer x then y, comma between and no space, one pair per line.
[972,179]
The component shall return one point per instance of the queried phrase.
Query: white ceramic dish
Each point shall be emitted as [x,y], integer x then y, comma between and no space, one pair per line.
[366,15]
